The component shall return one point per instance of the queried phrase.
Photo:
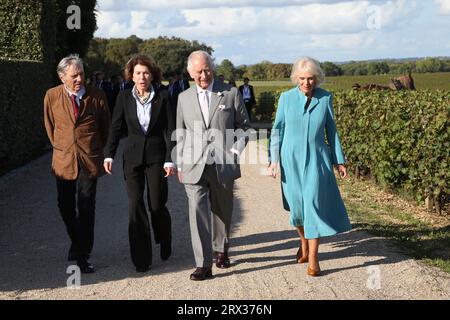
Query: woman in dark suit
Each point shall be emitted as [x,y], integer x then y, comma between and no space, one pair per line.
[146,111]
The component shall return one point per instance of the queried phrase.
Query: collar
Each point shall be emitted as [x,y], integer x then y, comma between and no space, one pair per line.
[135,96]
[209,89]
[78,94]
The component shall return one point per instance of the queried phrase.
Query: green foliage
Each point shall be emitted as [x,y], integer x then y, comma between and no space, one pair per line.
[429,65]
[331,69]
[24,82]
[22,133]
[20,30]
[401,137]
[421,81]
[119,51]
[378,68]
[111,55]
[227,69]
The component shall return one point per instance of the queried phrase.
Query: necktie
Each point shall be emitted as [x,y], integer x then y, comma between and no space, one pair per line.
[74,105]
[204,105]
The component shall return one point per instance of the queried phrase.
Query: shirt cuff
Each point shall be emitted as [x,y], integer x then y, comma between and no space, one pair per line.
[168,165]
[234,151]
[109,160]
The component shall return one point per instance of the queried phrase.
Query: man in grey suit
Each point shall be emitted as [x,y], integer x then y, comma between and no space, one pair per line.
[211,133]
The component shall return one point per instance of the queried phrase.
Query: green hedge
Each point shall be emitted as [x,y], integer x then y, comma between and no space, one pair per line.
[399,138]
[20,31]
[22,134]
[27,45]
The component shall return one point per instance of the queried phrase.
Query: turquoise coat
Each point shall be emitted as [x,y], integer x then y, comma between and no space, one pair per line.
[297,142]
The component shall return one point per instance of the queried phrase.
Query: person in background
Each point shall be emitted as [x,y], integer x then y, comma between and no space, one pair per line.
[248,95]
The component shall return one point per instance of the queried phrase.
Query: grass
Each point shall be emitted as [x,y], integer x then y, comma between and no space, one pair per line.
[419,234]
[422,81]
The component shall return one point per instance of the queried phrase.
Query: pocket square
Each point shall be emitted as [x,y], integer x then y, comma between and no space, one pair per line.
[222,106]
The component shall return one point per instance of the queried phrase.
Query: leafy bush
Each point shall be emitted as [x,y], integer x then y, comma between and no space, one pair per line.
[26,73]
[402,138]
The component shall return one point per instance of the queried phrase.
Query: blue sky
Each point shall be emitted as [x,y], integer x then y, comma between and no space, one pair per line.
[250,31]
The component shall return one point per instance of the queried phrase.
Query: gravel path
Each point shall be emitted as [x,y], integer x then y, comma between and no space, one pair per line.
[34,244]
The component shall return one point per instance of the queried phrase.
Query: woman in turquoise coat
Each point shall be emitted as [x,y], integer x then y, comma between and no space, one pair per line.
[310,192]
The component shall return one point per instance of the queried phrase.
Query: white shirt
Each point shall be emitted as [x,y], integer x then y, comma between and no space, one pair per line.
[246,92]
[144,110]
[200,97]
[79,95]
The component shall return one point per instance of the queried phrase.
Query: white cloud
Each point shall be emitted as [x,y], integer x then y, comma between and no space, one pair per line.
[277,30]
[203,4]
[444,6]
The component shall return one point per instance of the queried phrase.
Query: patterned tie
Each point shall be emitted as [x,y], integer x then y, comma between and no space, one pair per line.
[75,105]
[204,105]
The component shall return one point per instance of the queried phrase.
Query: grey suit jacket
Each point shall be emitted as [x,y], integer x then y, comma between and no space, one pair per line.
[199,144]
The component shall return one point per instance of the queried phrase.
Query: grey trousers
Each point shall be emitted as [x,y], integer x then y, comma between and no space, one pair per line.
[209,228]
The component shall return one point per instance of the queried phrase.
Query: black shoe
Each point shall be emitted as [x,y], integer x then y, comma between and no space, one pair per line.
[222,260]
[142,269]
[166,249]
[85,266]
[72,257]
[201,274]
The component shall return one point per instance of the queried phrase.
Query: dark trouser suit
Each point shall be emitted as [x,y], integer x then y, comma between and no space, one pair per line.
[136,177]
[248,106]
[80,227]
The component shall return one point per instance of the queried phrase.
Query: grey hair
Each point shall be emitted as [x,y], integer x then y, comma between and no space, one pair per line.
[73,59]
[310,65]
[205,54]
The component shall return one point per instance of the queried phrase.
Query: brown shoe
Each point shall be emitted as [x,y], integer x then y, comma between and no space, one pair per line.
[222,260]
[312,272]
[201,274]
[300,257]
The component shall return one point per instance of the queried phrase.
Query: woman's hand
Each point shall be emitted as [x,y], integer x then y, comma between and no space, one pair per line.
[169,171]
[107,165]
[342,170]
[272,170]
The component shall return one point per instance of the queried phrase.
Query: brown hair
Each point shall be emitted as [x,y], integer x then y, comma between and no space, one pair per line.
[145,61]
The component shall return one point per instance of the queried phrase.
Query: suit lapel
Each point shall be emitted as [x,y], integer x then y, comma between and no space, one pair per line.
[215,100]
[132,111]
[155,110]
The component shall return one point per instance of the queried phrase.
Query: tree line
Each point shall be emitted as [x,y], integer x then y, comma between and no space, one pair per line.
[111,55]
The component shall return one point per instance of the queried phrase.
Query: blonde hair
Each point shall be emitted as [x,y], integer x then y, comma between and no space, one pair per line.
[310,65]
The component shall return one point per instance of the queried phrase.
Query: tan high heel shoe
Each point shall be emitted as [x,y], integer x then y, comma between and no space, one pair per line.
[313,273]
[300,257]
